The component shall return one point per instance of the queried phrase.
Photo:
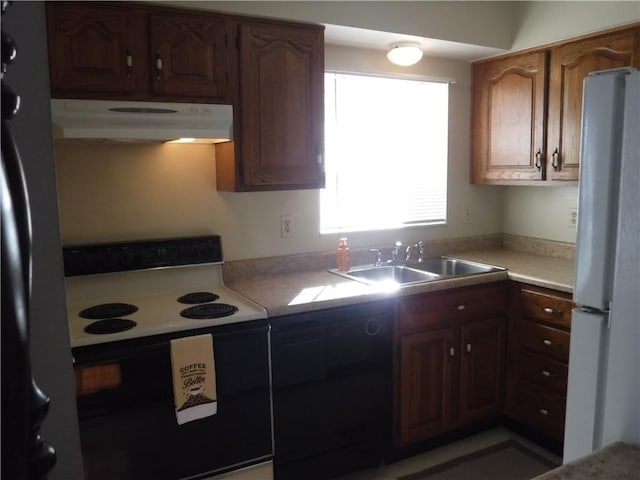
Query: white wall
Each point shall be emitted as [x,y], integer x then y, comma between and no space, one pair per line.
[541,212]
[111,192]
[477,23]
[536,23]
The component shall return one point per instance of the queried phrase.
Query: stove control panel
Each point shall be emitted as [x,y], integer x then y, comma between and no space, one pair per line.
[124,256]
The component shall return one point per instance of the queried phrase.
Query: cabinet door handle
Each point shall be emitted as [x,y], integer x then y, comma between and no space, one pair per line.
[319,159]
[538,161]
[468,347]
[461,307]
[158,65]
[128,62]
[552,311]
[452,351]
[545,412]
[555,161]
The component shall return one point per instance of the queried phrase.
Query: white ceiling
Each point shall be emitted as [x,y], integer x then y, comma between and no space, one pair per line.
[376,40]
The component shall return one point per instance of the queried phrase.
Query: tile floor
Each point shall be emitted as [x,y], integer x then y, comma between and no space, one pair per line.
[445,453]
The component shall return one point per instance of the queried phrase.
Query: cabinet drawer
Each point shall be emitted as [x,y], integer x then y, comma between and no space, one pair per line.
[547,374]
[546,307]
[437,308]
[541,411]
[547,341]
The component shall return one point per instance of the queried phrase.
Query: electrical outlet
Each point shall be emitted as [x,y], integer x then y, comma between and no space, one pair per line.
[467,215]
[573,217]
[286,226]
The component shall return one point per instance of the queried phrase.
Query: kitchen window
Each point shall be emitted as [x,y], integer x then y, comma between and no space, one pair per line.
[386,153]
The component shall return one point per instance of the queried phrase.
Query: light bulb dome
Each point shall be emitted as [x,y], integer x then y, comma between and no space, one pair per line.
[404,53]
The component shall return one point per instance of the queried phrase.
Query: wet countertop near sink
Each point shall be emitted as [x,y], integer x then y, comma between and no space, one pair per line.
[287,293]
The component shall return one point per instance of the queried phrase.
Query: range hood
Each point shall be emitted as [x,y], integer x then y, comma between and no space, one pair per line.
[141,121]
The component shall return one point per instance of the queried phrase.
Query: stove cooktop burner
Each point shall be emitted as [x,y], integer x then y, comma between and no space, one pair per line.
[198,297]
[209,310]
[110,325]
[108,311]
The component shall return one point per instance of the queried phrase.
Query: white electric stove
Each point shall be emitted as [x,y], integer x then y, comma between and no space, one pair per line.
[145,290]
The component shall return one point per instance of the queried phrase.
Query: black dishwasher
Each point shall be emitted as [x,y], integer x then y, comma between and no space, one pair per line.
[331,390]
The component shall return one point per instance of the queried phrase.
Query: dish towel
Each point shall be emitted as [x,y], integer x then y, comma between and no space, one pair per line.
[194,378]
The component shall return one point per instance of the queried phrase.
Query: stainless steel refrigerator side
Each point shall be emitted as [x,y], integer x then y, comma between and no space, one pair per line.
[585,383]
[601,136]
[621,416]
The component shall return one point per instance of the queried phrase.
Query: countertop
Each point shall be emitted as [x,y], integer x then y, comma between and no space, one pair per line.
[618,461]
[288,293]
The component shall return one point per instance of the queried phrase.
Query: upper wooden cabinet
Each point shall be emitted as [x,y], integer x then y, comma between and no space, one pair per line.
[280,114]
[569,65]
[527,108]
[116,51]
[509,110]
[189,55]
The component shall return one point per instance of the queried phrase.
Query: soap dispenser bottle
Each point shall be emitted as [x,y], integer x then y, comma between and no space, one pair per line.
[344,256]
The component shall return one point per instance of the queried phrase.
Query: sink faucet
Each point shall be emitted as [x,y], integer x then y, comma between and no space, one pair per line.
[378,256]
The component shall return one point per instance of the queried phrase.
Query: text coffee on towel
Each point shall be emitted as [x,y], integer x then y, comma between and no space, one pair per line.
[194,378]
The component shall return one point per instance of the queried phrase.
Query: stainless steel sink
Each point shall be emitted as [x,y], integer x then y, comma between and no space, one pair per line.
[428,270]
[453,267]
[387,275]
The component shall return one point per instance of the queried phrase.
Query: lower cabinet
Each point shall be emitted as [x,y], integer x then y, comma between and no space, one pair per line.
[450,360]
[538,357]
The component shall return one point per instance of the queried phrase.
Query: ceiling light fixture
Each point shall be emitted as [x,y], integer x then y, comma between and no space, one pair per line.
[404,53]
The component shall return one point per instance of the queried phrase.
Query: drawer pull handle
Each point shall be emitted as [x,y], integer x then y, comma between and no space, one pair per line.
[547,373]
[468,347]
[452,351]
[548,343]
[461,307]
[545,412]
[552,311]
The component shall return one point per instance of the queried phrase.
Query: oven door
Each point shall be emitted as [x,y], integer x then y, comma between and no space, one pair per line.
[127,417]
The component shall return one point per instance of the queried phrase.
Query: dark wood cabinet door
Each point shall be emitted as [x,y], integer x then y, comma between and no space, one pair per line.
[482,369]
[281,120]
[189,56]
[426,382]
[508,119]
[570,64]
[95,48]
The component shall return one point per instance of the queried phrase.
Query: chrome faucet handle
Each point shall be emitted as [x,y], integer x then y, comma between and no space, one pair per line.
[408,253]
[378,256]
[420,247]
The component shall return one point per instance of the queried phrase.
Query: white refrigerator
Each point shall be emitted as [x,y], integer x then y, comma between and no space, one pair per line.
[603,396]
